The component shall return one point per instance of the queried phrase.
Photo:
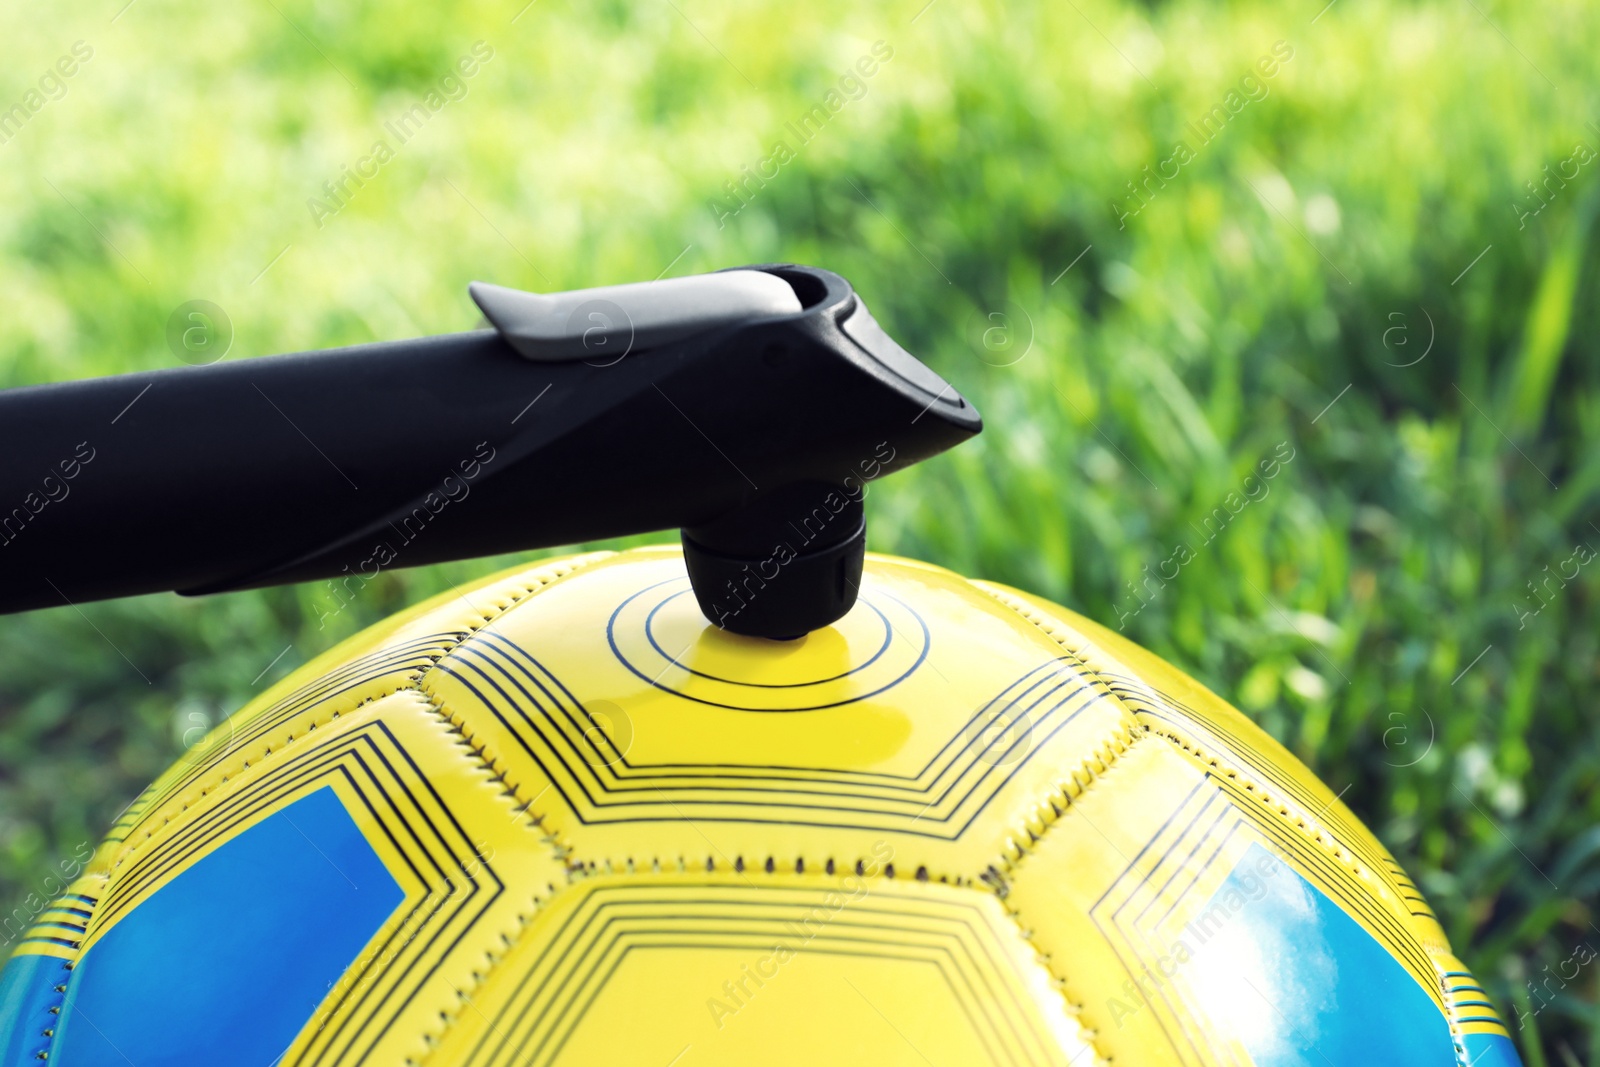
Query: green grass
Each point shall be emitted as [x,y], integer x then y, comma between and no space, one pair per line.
[1348,608]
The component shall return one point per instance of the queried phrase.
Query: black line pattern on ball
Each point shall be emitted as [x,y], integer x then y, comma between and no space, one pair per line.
[649,633]
[551,736]
[543,997]
[654,683]
[1351,836]
[409,658]
[369,761]
[1239,809]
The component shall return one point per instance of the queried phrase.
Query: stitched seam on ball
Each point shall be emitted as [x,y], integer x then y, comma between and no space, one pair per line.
[485,761]
[1130,732]
[1111,747]
[1311,825]
[539,579]
[1322,836]
[1037,619]
[1076,1010]
[1452,1012]
[562,851]
[131,849]
[1017,853]
[43,1052]
[1085,776]
[652,865]
[1311,828]
[535,582]
[182,790]
[1191,745]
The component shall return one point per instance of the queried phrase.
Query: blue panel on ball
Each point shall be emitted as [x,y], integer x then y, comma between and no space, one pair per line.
[227,963]
[1302,984]
[27,993]
[1491,1050]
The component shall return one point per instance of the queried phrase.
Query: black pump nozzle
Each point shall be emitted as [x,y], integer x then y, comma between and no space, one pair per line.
[749,408]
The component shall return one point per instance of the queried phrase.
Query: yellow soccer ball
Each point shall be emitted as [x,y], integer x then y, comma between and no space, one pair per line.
[559,818]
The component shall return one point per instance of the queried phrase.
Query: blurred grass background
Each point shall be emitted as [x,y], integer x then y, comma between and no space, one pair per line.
[1351,269]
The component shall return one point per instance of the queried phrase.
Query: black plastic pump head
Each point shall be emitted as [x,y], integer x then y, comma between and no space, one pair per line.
[749,408]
